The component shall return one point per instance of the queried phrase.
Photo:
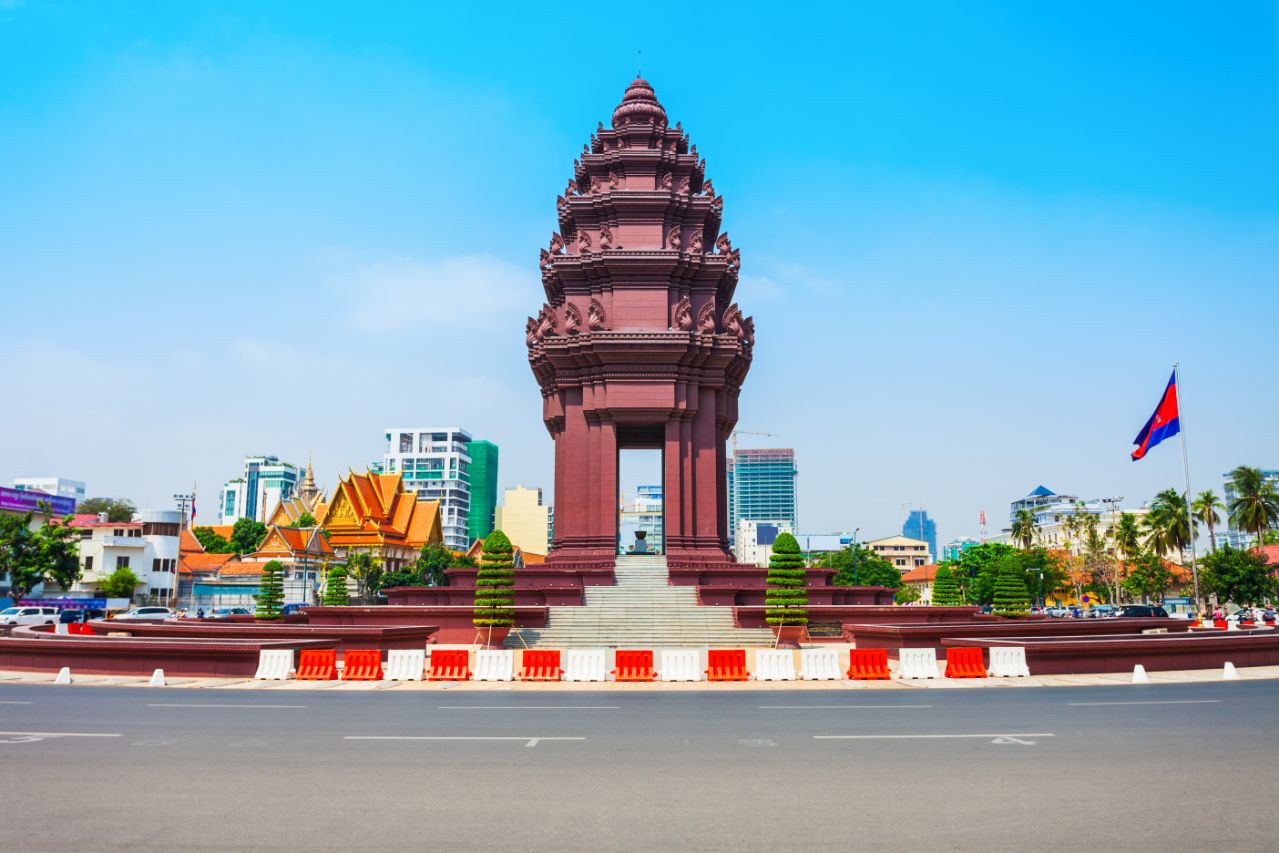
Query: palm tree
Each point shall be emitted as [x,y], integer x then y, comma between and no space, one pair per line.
[1024,528]
[1168,524]
[1205,508]
[1255,507]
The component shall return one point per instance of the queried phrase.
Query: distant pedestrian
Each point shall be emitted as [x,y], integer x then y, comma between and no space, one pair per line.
[199,614]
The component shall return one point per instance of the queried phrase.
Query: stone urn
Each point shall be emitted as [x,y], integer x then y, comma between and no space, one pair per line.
[789,636]
[491,637]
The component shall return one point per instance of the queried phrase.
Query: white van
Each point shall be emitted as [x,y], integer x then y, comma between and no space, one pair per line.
[28,616]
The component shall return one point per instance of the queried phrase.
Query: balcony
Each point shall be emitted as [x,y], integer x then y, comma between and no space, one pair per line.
[123,542]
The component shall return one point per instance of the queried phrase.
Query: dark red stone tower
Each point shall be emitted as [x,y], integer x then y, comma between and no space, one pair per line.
[639,344]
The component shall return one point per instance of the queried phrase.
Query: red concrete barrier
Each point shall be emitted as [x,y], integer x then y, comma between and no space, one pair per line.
[726,665]
[634,666]
[868,664]
[964,663]
[362,665]
[1219,623]
[319,665]
[450,665]
[541,665]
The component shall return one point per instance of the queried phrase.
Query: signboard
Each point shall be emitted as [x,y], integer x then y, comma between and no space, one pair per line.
[20,500]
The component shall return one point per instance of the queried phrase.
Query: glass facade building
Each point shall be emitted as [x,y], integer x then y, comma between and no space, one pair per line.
[761,487]
[919,526]
[479,522]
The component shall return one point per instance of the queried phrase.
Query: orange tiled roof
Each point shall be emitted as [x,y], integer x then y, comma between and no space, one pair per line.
[375,510]
[921,574]
[239,569]
[531,559]
[187,543]
[201,562]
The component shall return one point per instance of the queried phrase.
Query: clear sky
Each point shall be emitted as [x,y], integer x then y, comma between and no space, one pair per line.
[975,236]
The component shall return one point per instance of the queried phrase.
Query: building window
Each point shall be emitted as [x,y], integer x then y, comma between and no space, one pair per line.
[122,562]
[155,565]
[88,564]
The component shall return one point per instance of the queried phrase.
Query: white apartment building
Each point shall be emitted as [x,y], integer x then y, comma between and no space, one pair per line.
[1053,511]
[266,481]
[903,552]
[147,546]
[436,463]
[59,486]
[645,513]
[753,542]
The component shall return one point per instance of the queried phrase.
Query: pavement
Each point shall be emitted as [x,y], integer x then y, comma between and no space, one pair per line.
[771,766]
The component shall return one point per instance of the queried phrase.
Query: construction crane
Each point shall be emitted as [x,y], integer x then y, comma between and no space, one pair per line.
[748,432]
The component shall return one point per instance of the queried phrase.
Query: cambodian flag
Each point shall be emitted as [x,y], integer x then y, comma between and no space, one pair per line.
[1164,423]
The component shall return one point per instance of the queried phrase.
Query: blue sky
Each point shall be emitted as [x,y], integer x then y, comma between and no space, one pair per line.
[975,237]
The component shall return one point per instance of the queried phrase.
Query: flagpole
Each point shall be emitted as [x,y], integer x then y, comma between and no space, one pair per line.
[1185,462]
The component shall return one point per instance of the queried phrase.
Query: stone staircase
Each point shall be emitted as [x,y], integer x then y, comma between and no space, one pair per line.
[643,610]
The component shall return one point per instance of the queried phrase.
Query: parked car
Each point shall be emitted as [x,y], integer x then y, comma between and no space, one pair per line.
[28,616]
[1142,610]
[224,612]
[81,614]
[147,613]
[292,608]
[1059,612]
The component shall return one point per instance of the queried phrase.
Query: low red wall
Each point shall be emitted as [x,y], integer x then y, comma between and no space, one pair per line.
[131,656]
[738,576]
[753,617]
[1156,652]
[540,577]
[454,623]
[381,637]
[464,596]
[894,637]
[736,596]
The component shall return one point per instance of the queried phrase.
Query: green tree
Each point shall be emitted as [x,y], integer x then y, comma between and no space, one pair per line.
[1255,506]
[978,570]
[1011,598]
[1204,508]
[1149,577]
[270,597]
[1101,570]
[906,595]
[1025,528]
[117,509]
[401,577]
[1168,524]
[120,583]
[1241,576]
[306,520]
[786,586]
[860,566]
[431,563]
[335,591]
[945,589]
[20,556]
[59,544]
[247,535]
[367,570]
[211,542]
[495,584]
[1045,571]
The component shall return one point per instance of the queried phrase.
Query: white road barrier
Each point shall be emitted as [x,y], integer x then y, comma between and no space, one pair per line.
[404,664]
[1229,673]
[584,665]
[64,676]
[917,663]
[1008,662]
[157,679]
[680,665]
[274,664]
[1139,675]
[819,665]
[495,665]
[1232,625]
[774,665]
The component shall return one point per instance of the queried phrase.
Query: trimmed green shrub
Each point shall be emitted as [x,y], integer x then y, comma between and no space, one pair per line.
[1011,598]
[786,595]
[945,589]
[270,596]
[335,593]
[495,584]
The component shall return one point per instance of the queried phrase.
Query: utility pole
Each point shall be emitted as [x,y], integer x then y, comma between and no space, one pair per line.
[184,500]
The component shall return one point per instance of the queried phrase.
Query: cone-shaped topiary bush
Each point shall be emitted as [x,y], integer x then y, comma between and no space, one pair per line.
[270,595]
[786,596]
[335,594]
[1011,597]
[495,584]
[945,588]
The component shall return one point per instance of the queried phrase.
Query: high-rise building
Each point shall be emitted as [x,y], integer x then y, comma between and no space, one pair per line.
[525,520]
[754,540]
[761,487]
[56,486]
[479,521]
[256,494]
[1234,537]
[644,514]
[436,463]
[919,526]
[955,548]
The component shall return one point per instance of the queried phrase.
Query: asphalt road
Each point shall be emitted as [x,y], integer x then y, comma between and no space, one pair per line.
[1152,767]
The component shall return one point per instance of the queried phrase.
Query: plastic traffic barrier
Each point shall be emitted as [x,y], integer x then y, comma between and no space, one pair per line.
[317,665]
[774,665]
[1008,662]
[362,665]
[451,665]
[585,665]
[64,676]
[868,664]
[917,663]
[636,665]
[494,664]
[274,664]
[819,665]
[964,663]
[680,665]
[405,664]
[157,679]
[726,665]
[541,665]
[1219,623]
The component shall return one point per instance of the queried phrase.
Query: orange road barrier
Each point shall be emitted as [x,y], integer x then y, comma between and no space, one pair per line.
[362,665]
[541,665]
[634,665]
[1220,623]
[726,665]
[317,665]
[964,663]
[450,665]
[868,664]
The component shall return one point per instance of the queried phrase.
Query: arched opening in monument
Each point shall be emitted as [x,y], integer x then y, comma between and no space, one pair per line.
[641,509]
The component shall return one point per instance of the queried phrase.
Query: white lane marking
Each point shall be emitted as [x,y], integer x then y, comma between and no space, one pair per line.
[59,734]
[814,707]
[1151,702]
[194,705]
[528,741]
[933,737]
[529,707]
[9,702]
